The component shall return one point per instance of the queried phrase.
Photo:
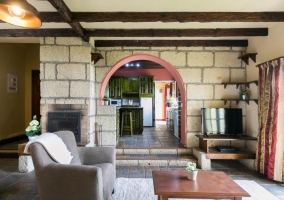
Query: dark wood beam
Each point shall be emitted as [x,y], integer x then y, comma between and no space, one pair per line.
[37,33]
[177,32]
[165,43]
[66,14]
[134,32]
[167,16]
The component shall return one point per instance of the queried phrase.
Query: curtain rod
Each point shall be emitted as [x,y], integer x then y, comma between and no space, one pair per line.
[269,60]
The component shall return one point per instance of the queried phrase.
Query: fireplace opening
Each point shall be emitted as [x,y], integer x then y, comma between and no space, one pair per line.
[65,121]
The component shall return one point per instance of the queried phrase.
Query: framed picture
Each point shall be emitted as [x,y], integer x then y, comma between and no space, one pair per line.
[12,83]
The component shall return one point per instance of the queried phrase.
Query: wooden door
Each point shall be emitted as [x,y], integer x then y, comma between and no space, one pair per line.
[36,94]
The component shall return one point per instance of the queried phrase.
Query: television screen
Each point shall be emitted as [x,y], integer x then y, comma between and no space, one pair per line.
[221,121]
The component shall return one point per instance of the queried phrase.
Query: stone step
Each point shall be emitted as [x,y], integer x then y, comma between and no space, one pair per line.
[153,160]
[171,151]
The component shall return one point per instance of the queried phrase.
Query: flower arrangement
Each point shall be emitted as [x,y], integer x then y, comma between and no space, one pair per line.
[171,99]
[105,98]
[34,127]
[191,166]
[244,92]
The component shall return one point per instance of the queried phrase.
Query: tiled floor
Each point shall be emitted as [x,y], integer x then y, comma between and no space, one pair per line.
[15,185]
[152,137]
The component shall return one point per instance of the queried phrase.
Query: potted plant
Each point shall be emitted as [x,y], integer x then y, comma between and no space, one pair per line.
[171,101]
[33,130]
[244,94]
[191,171]
[106,100]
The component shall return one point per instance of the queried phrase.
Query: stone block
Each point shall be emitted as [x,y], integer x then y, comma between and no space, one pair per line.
[190,48]
[194,107]
[192,140]
[200,59]
[217,48]
[238,75]
[108,48]
[50,101]
[42,74]
[216,75]
[108,139]
[97,90]
[68,41]
[187,151]
[229,93]
[80,89]
[194,91]
[193,123]
[91,73]
[114,56]
[49,40]
[133,48]
[163,48]
[203,163]
[154,53]
[54,88]
[190,75]
[174,58]
[227,59]
[41,40]
[71,71]
[106,110]
[239,48]
[50,53]
[126,162]
[101,72]
[49,71]
[163,151]
[108,122]
[178,163]
[80,54]
[216,104]
[69,101]
[119,151]
[152,162]
[136,151]
[26,164]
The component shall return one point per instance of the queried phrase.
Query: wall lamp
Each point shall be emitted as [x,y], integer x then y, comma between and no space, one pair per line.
[19,13]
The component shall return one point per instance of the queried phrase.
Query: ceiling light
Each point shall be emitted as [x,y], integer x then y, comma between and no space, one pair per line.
[19,13]
[137,65]
[127,65]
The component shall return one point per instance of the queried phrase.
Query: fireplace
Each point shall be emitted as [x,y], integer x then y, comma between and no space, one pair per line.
[65,121]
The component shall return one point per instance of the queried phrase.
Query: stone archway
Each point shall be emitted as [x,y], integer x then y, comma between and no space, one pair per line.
[166,65]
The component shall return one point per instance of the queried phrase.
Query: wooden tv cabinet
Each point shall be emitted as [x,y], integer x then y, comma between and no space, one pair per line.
[212,153]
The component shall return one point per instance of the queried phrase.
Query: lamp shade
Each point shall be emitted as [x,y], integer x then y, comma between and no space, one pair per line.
[19,13]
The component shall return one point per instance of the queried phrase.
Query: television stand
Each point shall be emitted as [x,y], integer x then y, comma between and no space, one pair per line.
[212,153]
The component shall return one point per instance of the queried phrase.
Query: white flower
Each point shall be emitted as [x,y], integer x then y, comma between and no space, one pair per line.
[34,123]
[191,166]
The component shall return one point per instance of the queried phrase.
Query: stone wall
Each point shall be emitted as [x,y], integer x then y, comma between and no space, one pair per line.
[202,69]
[68,77]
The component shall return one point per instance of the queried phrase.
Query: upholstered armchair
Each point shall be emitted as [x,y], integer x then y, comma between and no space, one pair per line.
[90,175]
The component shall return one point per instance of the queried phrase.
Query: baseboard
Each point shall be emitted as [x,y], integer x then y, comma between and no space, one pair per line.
[13,139]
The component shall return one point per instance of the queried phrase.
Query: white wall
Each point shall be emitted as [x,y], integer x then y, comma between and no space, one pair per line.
[267,48]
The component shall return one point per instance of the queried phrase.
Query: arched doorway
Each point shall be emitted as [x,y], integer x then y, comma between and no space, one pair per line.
[171,70]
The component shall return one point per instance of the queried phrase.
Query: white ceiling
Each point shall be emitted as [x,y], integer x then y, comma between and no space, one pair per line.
[156,6]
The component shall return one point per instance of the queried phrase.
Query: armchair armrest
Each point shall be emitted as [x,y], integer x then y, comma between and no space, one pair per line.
[96,155]
[75,181]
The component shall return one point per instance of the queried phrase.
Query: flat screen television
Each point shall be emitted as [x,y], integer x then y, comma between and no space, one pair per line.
[222,121]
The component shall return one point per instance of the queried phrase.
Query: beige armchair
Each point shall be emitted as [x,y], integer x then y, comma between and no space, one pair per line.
[90,175]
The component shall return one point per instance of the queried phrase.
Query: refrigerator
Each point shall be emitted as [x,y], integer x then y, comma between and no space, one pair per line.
[147,104]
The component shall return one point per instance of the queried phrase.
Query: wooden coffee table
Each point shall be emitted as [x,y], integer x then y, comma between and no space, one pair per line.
[209,184]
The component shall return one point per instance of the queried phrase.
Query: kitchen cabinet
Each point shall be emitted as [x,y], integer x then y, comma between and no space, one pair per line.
[114,86]
[130,85]
[137,117]
[146,86]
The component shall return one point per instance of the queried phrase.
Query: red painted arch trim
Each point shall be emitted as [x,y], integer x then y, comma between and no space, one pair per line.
[167,66]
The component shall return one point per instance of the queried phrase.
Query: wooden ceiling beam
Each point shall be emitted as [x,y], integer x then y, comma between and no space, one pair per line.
[165,43]
[177,32]
[134,32]
[66,14]
[181,17]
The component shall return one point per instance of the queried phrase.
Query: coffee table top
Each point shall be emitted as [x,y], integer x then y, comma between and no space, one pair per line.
[207,184]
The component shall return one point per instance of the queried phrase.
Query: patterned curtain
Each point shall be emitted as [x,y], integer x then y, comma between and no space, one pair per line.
[270,146]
